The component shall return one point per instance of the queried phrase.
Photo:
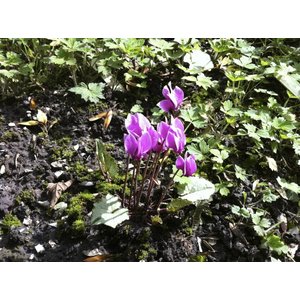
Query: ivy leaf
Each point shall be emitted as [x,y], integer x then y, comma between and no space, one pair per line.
[9,73]
[296,146]
[193,115]
[137,108]
[92,92]
[161,44]
[294,187]
[205,81]
[272,163]
[259,230]
[276,244]
[220,156]
[240,173]
[245,62]
[269,197]
[282,124]
[109,212]
[198,61]
[290,82]
[63,57]
[196,189]
[251,130]
[265,223]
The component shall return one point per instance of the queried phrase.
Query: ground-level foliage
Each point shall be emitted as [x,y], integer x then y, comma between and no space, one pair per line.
[242,110]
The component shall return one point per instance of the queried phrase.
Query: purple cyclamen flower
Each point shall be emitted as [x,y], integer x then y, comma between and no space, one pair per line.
[137,147]
[173,98]
[137,124]
[171,136]
[186,164]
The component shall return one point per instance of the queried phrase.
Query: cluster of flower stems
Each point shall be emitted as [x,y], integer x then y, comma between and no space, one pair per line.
[148,148]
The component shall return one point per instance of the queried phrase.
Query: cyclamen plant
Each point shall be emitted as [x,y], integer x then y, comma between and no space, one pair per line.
[148,148]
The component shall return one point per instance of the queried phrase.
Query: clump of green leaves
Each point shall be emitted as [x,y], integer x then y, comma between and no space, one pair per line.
[9,221]
[93,92]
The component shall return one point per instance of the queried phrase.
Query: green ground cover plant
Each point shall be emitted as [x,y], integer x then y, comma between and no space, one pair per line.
[205,122]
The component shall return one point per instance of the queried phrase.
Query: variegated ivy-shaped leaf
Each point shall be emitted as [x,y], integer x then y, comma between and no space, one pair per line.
[109,212]
[195,189]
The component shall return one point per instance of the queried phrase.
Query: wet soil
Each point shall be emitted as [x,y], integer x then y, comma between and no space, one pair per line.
[32,159]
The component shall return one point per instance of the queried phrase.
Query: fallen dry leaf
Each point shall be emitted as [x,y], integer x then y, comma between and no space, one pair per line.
[29,123]
[56,190]
[98,117]
[32,103]
[108,119]
[107,115]
[97,258]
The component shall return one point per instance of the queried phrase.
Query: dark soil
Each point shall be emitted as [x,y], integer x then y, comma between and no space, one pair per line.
[27,156]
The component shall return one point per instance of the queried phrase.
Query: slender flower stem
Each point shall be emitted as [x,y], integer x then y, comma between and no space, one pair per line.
[131,188]
[166,154]
[125,181]
[151,177]
[143,181]
[135,183]
[166,190]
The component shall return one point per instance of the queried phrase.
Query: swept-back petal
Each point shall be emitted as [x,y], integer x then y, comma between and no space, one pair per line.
[179,95]
[166,91]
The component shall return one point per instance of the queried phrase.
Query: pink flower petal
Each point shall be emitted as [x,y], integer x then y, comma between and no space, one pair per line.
[130,144]
[145,144]
[179,94]
[180,163]
[166,91]
[166,105]
[190,166]
[163,129]
[177,123]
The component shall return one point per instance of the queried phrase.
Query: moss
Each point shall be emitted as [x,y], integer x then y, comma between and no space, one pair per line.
[9,136]
[145,252]
[79,168]
[78,227]
[65,141]
[107,187]
[188,230]
[62,153]
[155,220]
[76,206]
[27,196]
[10,221]
[82,172]
[198,258]
[65,197]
